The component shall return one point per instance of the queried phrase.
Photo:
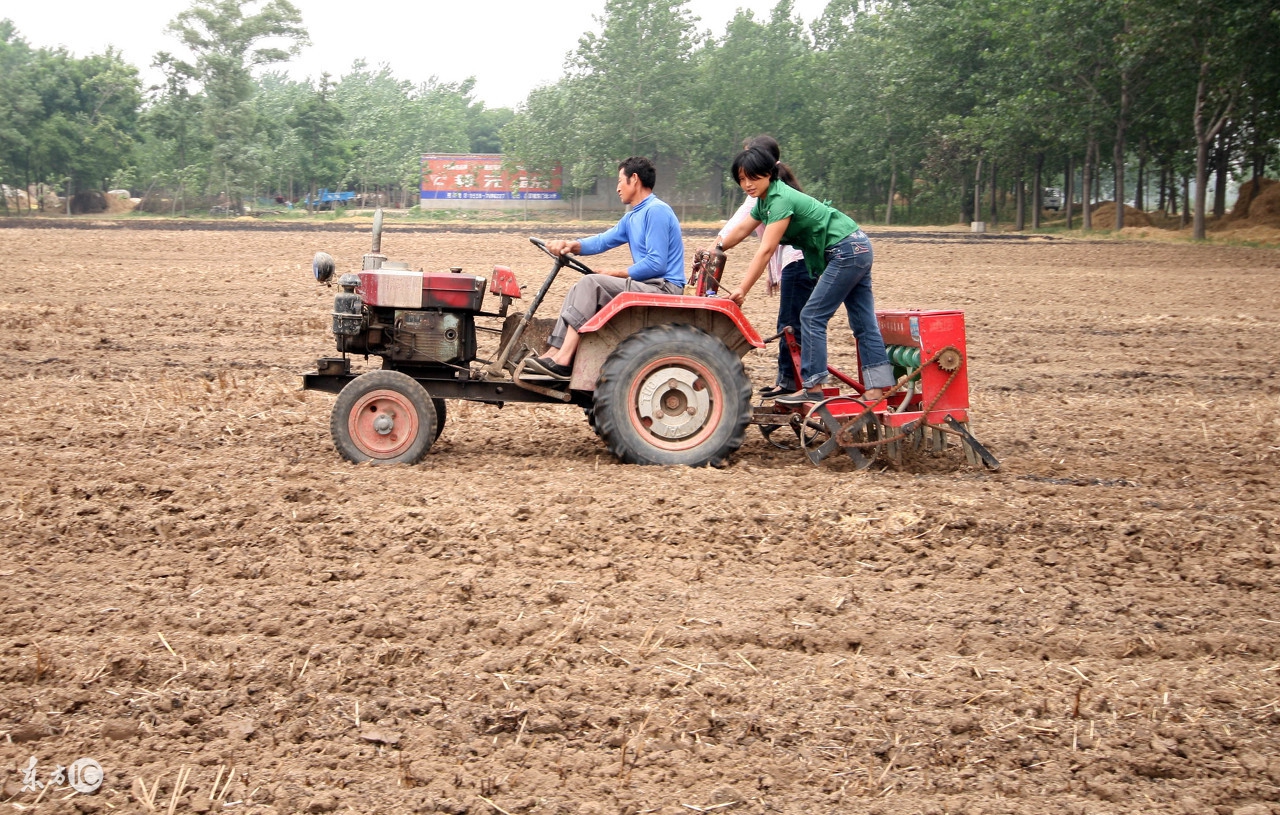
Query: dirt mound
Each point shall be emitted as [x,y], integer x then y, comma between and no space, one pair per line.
[1163,220]
[1256,214]
[1264,208]
[1249,191]
[155,204]
[1104,216]
[116,203]
[88,202]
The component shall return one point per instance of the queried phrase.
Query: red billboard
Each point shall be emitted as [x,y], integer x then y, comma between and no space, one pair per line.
[482,177]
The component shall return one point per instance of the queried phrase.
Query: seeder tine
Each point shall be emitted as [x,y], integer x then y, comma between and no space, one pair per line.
[939,445]
[973,449]
[891,450]
[970,454]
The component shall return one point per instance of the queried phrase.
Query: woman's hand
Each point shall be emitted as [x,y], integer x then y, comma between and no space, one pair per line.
[738,295]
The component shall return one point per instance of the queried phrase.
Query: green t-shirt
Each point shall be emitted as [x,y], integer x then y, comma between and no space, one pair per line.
[814,225]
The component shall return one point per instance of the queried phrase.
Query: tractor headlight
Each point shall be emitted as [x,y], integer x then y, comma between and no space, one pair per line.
[322,266]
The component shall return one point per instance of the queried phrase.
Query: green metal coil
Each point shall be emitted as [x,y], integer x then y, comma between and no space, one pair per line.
[904,356]
[905,359]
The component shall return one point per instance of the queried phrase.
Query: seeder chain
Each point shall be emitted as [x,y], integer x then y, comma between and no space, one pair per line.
[910,427]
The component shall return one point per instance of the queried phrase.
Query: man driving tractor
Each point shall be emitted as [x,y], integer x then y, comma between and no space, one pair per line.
[651,230]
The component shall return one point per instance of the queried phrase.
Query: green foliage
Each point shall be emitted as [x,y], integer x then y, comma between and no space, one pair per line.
[228,44]
[63,116]
[914,100]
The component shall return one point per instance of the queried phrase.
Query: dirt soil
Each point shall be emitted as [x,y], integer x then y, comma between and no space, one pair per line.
[196,586]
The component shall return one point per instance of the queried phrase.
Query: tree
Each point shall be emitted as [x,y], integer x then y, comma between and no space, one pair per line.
[229,41]
[325,155]
[62,116]
[1220,50]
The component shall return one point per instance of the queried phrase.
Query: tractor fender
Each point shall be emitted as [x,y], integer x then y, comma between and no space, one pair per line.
[631,311]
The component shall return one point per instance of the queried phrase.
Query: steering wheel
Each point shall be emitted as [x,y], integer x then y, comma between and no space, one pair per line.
[566,260]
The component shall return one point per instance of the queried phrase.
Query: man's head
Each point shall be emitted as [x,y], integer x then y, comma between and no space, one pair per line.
[636,178]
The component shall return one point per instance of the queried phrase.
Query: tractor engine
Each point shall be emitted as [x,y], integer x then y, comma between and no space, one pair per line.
[409,318]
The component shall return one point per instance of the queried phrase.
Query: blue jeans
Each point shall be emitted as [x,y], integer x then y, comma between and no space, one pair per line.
[847,279]
[797,285]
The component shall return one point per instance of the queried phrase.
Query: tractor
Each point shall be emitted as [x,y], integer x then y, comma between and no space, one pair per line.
[660,376]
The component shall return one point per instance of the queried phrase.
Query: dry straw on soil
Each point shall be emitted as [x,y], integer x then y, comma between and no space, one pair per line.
[1104,215]
[1257,205]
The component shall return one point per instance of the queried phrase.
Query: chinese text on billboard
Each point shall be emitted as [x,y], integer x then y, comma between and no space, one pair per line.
[481,177]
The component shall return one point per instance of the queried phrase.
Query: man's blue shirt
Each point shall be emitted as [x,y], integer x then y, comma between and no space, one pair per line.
[652,231]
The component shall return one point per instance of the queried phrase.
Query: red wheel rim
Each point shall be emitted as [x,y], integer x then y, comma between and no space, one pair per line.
[674,403]
[383,424]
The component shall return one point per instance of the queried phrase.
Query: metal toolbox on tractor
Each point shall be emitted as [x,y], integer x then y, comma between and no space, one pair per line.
[393,288]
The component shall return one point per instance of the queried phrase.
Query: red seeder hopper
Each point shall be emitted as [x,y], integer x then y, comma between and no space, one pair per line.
[928,406]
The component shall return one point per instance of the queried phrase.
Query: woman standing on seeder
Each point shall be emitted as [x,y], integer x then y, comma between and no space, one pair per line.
[837,253]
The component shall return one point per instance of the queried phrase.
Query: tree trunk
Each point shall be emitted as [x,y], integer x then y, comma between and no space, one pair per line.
[1019,199]
[1117,153]
[1097,173]
[1068,194]
[1140,187]
[1221,162]
[1186,200]
[995,212]
[1205,133]
[893,182]
[1086,186]
[1160,206]
[977,191]
[1037,192]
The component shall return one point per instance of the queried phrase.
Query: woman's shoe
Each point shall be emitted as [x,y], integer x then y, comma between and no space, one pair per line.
[800,398]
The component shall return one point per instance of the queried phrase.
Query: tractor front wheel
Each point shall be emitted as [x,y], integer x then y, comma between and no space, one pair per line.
[383,417]
[672,394]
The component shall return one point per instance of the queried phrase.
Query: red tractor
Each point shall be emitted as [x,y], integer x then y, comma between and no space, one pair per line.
[660,376]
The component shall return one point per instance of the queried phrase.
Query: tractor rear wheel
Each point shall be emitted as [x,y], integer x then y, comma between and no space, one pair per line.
[672,394]
[383,417]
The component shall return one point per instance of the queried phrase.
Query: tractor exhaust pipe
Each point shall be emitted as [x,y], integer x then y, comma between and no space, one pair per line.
[375,258]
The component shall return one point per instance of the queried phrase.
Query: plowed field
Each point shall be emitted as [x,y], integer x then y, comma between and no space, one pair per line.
[195,586]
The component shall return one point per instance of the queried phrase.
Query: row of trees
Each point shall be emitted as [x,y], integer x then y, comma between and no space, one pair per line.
[226,123]
[890,108]
[930,101]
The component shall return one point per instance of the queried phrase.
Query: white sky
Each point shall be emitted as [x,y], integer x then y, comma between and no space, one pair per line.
[509,46]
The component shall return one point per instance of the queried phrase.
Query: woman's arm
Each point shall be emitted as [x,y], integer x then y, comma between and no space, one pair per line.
[743,211]
[760,260]
[737,233]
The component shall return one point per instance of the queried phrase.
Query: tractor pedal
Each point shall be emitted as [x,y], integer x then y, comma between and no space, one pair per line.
[529,381]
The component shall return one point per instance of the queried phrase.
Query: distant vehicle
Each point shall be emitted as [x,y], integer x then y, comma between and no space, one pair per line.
[328,200]
[1051,198]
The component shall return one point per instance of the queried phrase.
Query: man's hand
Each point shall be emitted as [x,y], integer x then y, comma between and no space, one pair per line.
[564,247]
